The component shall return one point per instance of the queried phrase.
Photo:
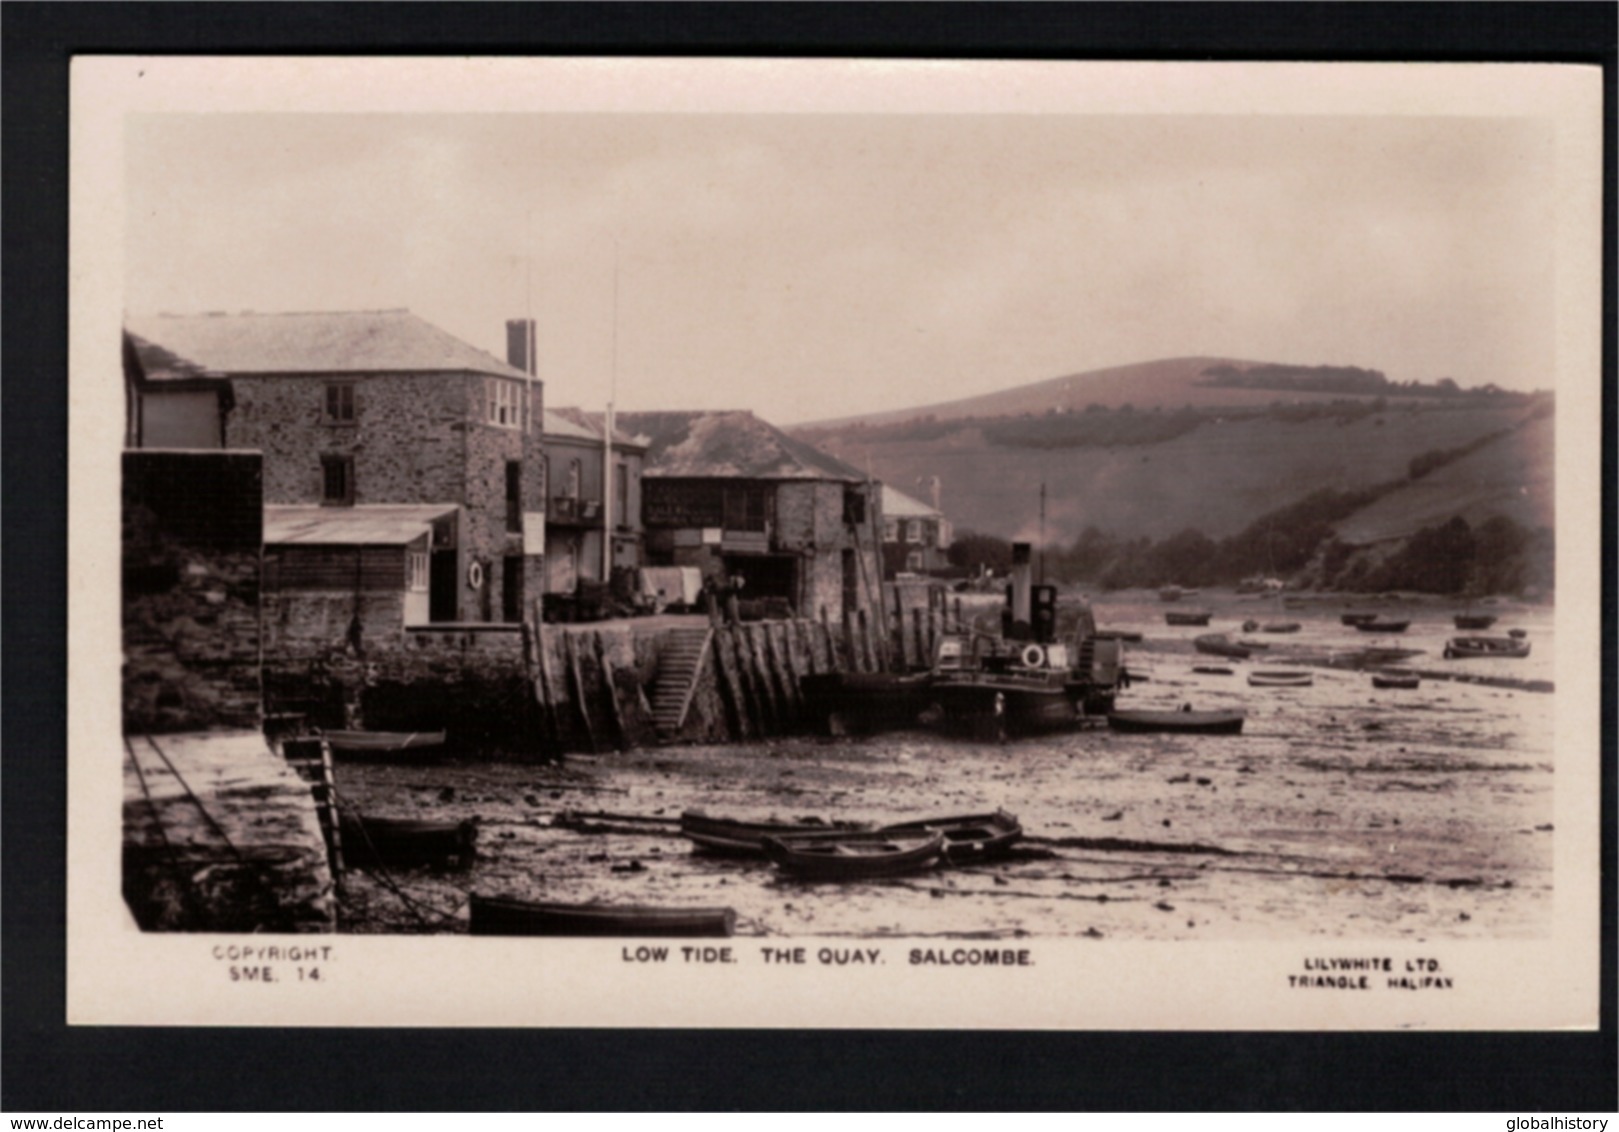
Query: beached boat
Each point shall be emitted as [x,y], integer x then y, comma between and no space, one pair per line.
[1356,618]
[1212,670]
[1187,617]
[406,841]
[384,745]
[1280,678]
[857,856]
[1280,627]
[1406,680]
[845,702]
[1465,648]
[968,837]
[1185,720]
[1218,644]
[507,915]
[1381,626]
[1474,620]
[746,838]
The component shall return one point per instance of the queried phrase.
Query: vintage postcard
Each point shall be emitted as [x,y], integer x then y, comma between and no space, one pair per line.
[585,542]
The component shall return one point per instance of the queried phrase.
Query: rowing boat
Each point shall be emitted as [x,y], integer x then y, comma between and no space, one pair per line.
[507,915]
[1280,627]
[967,838]
[1184,720]
[746,838]
[1466,648]
[1474,620]
[1280,678]
[1357,618]
[1382,626]
[1212,670]
[406,841]
[859,856]
[1217,644]
[1187,617]
[1405,680]
[383,744]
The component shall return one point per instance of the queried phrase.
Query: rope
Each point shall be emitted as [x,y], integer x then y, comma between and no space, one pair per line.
[182,880]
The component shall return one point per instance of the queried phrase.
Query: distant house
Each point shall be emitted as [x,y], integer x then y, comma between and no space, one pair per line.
[738,498]
[915,535]
[357,408]
[578,511]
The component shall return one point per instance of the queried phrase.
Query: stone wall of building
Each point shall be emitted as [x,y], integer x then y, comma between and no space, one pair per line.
[192,524]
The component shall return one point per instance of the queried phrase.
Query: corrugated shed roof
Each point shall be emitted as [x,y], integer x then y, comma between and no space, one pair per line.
[377,524]
[393,341]
[732,445]
[578,424]
[898,505]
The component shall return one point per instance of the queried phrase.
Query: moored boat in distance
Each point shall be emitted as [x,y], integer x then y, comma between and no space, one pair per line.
[968,837]
[1213,670]
[1218,644]
[1405,680]
[1187,617]
[1280,627]
[1465,648]
[1356,618]
[1377,625]
[1280,678]
[1474,620]
[746,838]
[858,856]
[1182,720]
[508,915]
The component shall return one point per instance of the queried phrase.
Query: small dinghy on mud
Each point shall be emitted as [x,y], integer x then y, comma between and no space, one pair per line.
[1184,720]
[1465,648]
[1187,617]
[1404,680]
[1474,621]
[746,838]
[1357,618]
[507,915]
[857,856]
[406,841]
[1379,626]
[1280,678]
[385,746]
[968,838]
[1218,644]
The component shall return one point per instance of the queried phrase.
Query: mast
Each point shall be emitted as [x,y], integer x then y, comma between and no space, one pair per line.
[1042,566]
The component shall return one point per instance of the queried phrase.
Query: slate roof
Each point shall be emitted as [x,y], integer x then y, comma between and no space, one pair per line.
[898,505]
[576,424]
[730,445]
[373,524]
[393,341]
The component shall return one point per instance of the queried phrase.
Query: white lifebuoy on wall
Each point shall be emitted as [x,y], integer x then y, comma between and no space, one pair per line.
[475,575]
[1033,656]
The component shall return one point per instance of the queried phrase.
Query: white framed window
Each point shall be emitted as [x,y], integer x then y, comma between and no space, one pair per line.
[416,570]
[890,530]
[502,402]
[913,530]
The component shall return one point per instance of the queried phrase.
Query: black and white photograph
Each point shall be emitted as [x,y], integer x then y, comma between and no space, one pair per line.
[785,543]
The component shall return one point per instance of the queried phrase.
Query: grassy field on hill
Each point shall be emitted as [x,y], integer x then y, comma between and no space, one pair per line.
[1216,477]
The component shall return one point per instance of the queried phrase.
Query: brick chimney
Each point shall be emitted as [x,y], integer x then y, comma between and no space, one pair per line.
[520,345]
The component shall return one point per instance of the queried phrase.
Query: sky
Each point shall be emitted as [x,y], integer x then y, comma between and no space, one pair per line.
[809,266]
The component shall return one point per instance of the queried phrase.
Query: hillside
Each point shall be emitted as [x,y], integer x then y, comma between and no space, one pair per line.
[1216,474]
[1510,476]
[1170,383]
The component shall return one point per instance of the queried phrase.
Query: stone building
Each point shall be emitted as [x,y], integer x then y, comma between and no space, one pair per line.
[358,408]
[738,498]
[915,535]
[578,510]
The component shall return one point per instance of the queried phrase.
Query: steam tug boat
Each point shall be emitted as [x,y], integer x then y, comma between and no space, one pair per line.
[1025,682]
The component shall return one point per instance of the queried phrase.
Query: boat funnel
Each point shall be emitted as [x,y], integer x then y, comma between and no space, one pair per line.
[1018,622]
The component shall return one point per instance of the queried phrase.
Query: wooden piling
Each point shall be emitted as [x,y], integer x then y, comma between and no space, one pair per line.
[731,689]
[767,685]
[570,653]
[614,708]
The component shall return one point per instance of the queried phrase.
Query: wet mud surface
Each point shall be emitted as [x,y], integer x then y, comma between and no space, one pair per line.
[1341,811]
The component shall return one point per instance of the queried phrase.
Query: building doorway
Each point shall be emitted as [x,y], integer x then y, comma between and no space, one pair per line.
[443,587]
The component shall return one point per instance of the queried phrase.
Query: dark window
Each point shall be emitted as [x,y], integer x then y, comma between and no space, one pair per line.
[514,495]
[337,480]
[340,402]
[511,588]
[854,505]
[746,508]
[624,496]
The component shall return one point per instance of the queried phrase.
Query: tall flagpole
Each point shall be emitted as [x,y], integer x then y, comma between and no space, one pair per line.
[607,439]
